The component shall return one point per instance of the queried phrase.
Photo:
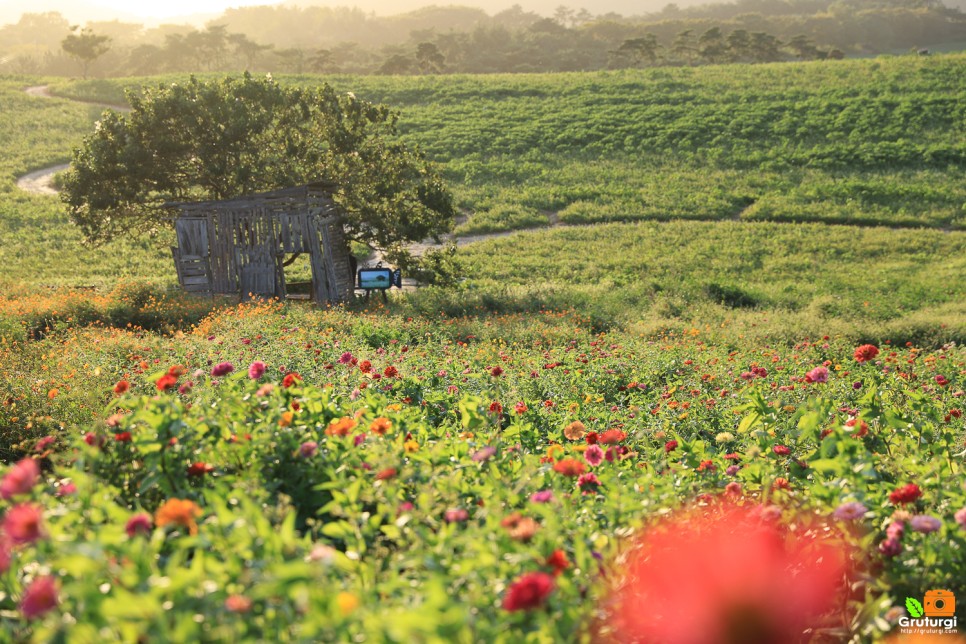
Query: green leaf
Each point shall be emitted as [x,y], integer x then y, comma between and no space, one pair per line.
[914,607]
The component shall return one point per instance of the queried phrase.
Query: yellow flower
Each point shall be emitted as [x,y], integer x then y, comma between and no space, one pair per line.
[286,419]
[554,450]
[347,603]
[575,431]
[411,446]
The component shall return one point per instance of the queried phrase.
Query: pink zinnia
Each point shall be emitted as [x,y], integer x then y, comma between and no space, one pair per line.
[866,352]
[4,553]
[39,597]
[960,517]
[20,479]
[818,374]
[308,449]
[594,455]
[457,515]
[138,524]
[256,370]
[588,483]
[925,523]
[222,369]
[23,523]
[346,358]
[545,496]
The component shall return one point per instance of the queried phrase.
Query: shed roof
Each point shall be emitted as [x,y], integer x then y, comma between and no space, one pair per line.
[308,192]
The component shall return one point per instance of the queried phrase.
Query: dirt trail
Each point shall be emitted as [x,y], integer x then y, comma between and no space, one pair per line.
[41,182]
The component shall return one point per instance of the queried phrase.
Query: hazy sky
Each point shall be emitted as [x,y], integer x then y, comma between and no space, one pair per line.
[169,8]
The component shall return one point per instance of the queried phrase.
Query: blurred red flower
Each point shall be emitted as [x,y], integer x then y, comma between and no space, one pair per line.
[529,591]
[725,574]
[24,523]
[905,494]
[569,467]
[39,597]
[20,479]
[121,387]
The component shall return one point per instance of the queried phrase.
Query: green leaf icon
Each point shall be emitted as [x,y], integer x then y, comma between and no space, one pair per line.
[914,607]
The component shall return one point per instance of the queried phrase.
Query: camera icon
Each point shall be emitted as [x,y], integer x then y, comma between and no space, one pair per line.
[939,603]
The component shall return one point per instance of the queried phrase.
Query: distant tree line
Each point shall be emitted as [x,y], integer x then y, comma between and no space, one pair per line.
[454,39]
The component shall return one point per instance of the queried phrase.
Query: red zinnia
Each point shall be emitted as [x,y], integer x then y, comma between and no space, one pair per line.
[138,524]
[670,446]
[721,574]
[200,469]
[386,474]
[569,467]
[496,407]
[365,366]
[905,494]
[529,591]
[291,379]
[121,387]
[390,372]
[612,437]
[558,561]
[166,382]
[866,352]
[781,450]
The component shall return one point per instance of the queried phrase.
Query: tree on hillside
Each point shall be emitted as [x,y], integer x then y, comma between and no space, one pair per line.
[85,47]
[214,140]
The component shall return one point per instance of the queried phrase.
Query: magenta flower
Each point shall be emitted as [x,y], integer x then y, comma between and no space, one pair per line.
[20,479]
[256,369]
[960,517]
[346,358]
[818,374]
[850,511]
[139,524]
[594,455]
[39,597]
[925,524]
[484,454]
[24,523]
[222,369]
[588,483]
[456,515]
[308,449]
[543,496]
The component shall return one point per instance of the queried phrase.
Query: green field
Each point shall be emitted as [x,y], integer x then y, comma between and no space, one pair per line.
[493,461]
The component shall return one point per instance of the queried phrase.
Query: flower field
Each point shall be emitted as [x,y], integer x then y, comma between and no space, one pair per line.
[332,475]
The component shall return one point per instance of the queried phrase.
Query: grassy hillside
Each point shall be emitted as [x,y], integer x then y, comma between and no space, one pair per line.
[876,142]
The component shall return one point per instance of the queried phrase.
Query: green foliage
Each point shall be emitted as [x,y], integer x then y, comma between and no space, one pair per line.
[349,506]
[202,140]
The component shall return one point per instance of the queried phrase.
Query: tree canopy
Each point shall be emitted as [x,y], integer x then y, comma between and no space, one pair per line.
[213,140]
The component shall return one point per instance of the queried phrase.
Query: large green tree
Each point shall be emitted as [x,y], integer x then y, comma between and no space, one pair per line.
[85,47]
[203,140]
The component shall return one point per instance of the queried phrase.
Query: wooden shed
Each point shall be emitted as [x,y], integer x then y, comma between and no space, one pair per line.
[241,246]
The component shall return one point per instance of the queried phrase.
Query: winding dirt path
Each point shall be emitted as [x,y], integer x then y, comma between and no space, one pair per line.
[41,182]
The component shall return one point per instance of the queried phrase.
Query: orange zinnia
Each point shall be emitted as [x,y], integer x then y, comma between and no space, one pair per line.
[179,512]
[380,426]
[340,427]
[575,430]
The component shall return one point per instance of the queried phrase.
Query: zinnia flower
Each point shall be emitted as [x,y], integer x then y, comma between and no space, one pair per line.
[925,523]
[569,467]
[200,469]
[850,511]
[594,455]
[960,518]
[558,561]
[520,527]
[588,483]
[781,450]
[670,446]
[20,479]
[456,515]
[386,474]
[256,369]
[166,382]
[39,597]
[291,379]
[121,387]
[520,408]
[179,512]
[612,437]
[575,430]
[237,604]
[23,523]
[905,494]
[545,496]
[340,427]
[380,426]
[720,574]
[390,372]
[222,369]
[308,449]
[138,524]
[818,374]
[483,454]
[866,353]
[529,591]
